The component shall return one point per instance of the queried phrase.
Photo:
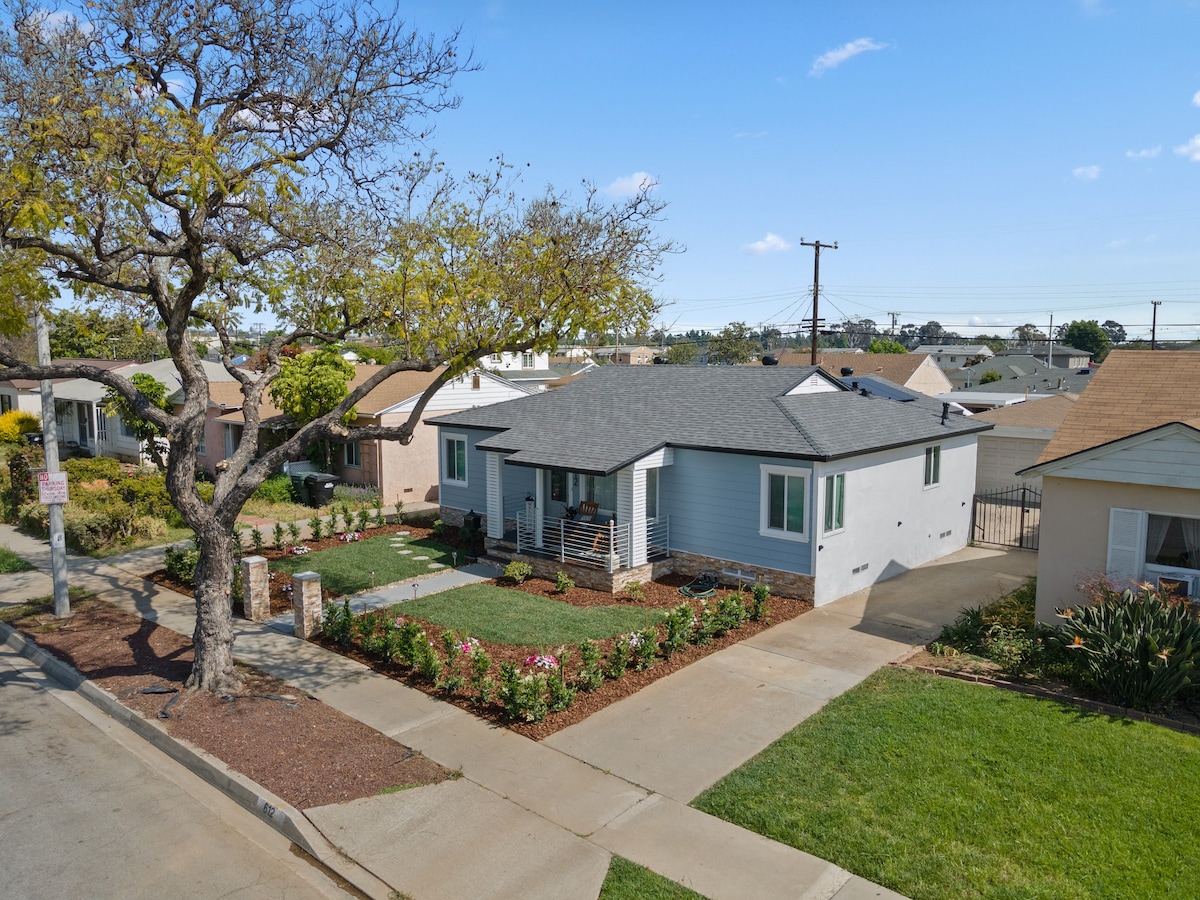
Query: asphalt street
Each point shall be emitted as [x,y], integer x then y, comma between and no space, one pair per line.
[88,809]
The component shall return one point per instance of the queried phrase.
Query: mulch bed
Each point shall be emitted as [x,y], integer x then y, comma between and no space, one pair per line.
[663,594]
[301,750]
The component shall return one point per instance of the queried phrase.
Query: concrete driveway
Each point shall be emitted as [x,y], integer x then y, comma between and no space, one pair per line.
[682,733]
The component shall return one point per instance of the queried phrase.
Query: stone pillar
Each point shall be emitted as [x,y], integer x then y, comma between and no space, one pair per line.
[256,588]
[306,604]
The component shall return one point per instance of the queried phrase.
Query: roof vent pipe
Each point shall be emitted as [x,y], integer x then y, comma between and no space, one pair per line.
[847,371]
[854,385]
[945,412]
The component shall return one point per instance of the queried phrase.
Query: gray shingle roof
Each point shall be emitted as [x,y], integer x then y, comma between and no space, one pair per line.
[618,414]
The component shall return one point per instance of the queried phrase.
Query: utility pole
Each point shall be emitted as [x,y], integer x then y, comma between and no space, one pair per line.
[1050,345]
[1154,324]
[817,247]
[892,333]
[58,543]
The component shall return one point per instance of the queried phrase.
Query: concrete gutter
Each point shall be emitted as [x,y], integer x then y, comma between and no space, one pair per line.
[280,815]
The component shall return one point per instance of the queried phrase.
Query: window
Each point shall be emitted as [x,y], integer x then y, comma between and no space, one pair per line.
[783,502]
[353,455]
[125,429]
[1173,541]
[835,501]
[558,485]
[652,493]
[496,357]
[527,360]
[454,456]
[5,403]
[202,447]
[933,465]
[601,490]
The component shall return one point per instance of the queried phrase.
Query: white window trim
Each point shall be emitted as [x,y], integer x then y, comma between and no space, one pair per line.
[764,502]
[837,529]
[936,450]
[442,459]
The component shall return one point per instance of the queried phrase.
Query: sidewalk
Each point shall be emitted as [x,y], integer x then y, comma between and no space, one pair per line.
[541,819]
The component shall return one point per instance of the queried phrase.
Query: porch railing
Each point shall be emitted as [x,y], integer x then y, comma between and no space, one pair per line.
[604,545]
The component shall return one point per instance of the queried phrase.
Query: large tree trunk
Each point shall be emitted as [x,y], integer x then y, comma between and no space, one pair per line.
[213,638]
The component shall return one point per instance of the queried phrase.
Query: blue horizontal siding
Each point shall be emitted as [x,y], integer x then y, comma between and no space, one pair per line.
[474,494]
[713,501]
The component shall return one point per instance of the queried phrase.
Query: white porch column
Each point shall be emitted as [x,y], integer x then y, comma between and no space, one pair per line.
[495,496]
[631,511]
[539,507]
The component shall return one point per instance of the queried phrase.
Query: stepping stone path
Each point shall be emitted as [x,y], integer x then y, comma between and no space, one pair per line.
[420,557]
[437,565]
[405,552]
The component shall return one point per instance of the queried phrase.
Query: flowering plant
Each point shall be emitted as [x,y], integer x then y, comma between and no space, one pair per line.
[299,550]
[349,536]
[542,661]
[469,645]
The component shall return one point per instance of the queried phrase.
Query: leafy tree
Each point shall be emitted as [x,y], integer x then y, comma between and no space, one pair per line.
[151,393]
[909,336]
[931,332]
[1087,335]
[681,353]
[733,346]
[886,345]
[310,385]
[1028,334]
[1115,332]
[989,376]
[96,334]
[195,163]
[993,342]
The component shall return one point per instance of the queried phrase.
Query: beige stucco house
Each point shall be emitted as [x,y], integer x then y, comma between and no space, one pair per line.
[1021,434]
[1121,481]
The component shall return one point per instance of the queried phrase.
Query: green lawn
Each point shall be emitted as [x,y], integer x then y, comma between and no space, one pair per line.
[629,881]
[938,788]
[507,616]
[362,565]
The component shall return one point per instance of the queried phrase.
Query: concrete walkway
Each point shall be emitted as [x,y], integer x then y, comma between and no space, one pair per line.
[541,819]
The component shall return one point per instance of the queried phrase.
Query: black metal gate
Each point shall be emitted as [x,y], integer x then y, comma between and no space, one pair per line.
[1009,517]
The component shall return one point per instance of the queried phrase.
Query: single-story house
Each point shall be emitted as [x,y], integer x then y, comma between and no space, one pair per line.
[625,355]
[1121,481]
[1058,356]
[915,371]
[401,472]
[777,474]
[1021,434]
[1021,373]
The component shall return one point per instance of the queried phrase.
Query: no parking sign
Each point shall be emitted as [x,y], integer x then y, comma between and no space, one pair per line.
[52,487]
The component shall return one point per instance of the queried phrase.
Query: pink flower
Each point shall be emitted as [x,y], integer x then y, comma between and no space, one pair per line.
[542,662]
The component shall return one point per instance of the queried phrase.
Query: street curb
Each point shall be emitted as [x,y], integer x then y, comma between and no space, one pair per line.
[284,818]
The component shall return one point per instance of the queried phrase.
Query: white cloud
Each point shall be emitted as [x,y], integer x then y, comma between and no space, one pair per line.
[1149,153]
[1086,173]
[1196,99]
[1191,149]
[835,58]
[985,321]
[772,243]
[628,185]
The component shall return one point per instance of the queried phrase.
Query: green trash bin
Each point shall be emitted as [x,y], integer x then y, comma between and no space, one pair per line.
[299,487]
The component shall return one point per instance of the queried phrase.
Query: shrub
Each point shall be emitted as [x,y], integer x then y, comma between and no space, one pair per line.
[680,622]
[451,679]
[356,494]
[339,622]
[591,676]
[1137,649]
[15,424]
[181,562]
[277,535]
[620,656]
[756,608]
[563,582]
[636,591]
[294,533]
[316,527]
[730,614]
[644,646]
[257,541]
[275,489]
[559,694]
[480,665]
[100,468]
[21,484]
[363,519]
[517,571]
[425,658]
[147,494]
[524,697]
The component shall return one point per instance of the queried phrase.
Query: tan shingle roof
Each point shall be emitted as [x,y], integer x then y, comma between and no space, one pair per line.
[895,367]
[396,389]
[1134,391]
[1048,412]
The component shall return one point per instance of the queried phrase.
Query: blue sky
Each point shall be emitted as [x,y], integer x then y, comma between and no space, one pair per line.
[984,164]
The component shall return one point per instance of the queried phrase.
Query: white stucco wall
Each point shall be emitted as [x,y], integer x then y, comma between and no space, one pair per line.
[892,521]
